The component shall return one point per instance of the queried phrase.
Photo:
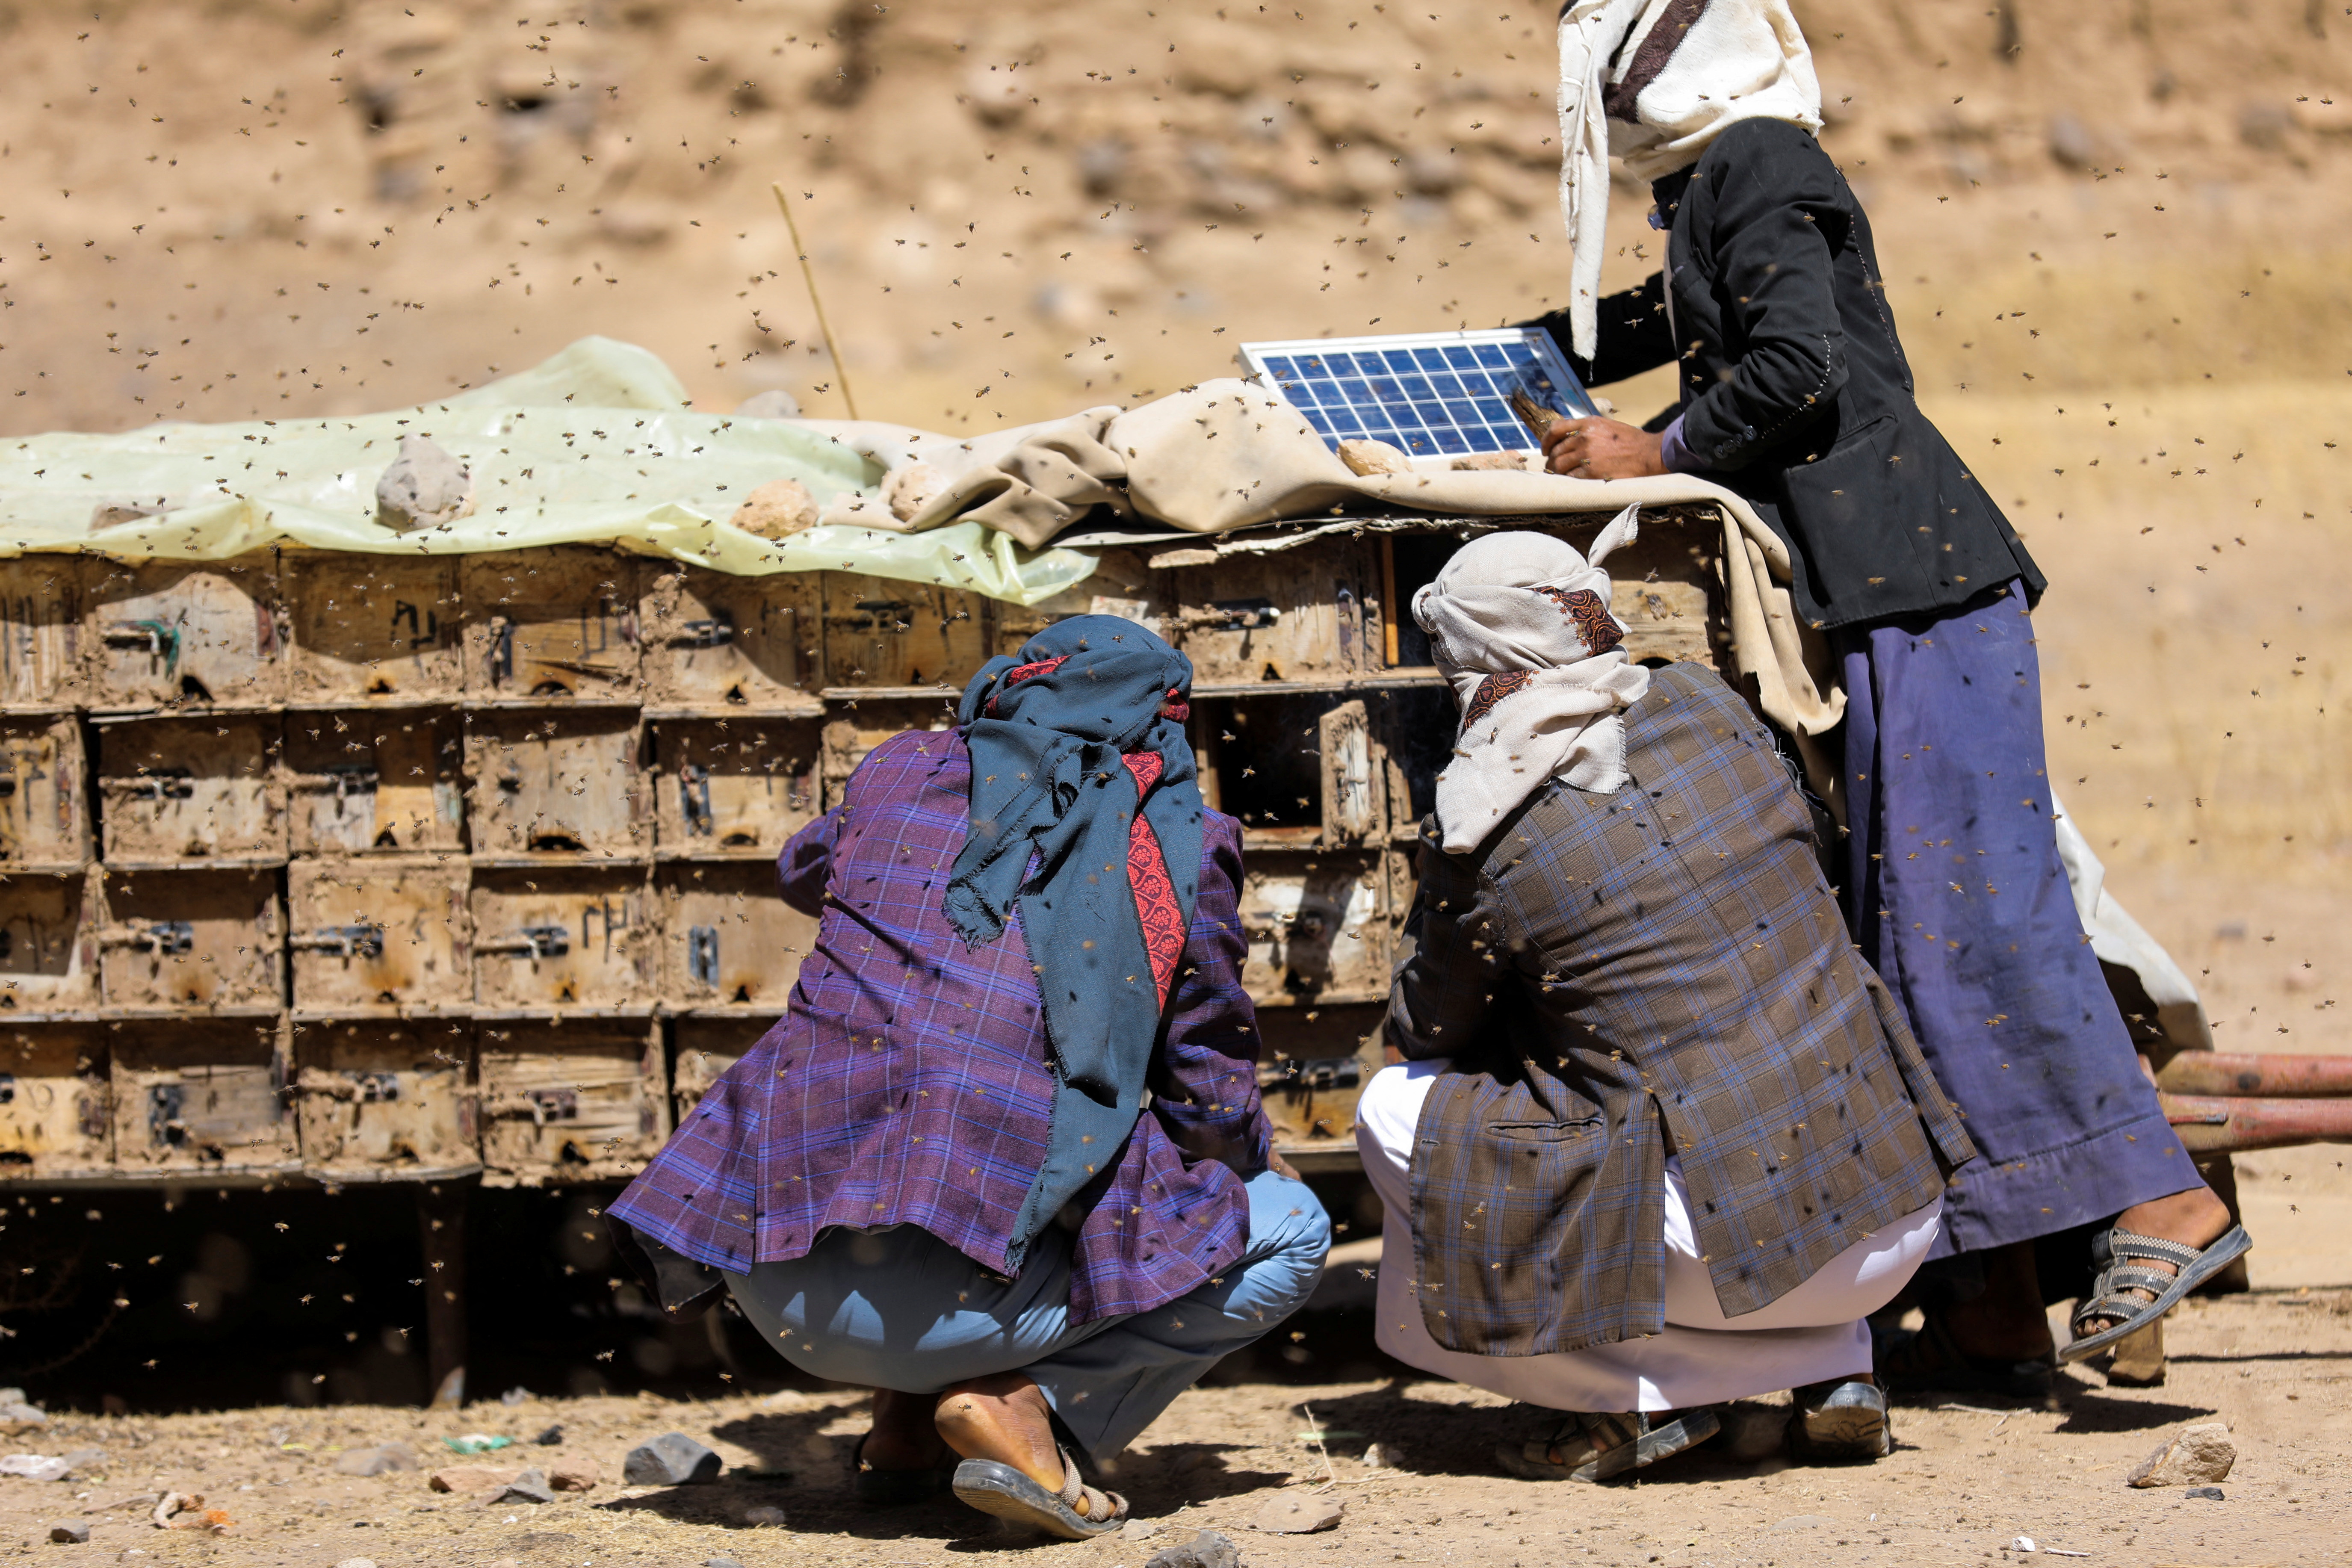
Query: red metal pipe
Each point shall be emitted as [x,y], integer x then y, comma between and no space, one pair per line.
[2212,1124]
[2262,1076]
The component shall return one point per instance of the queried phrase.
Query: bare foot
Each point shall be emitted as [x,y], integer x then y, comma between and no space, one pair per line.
[1005,1418]
[2194,1218]
[903,1437]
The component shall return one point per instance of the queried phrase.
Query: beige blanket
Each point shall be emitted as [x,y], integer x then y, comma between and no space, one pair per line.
[1227,453]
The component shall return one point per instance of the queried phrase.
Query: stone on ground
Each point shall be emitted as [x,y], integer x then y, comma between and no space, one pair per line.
[74,1534]
[2194,1455]
[672,1459]
[529,1486]
[576,1476]
[1141,1529]
[473,1478]
[381,1459]
[1293,1513]
[1209,1549]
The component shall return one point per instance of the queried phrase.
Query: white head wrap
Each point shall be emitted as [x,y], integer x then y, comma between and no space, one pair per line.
[1519,623]
[1655,81]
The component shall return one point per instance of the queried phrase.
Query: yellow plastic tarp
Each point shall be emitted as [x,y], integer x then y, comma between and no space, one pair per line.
[595,447]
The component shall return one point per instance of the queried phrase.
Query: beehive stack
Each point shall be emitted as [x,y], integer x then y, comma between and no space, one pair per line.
[387,867]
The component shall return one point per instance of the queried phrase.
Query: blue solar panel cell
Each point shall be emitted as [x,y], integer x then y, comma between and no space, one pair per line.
[1436,394]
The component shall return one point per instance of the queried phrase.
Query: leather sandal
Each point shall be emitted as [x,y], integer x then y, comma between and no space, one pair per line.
[2118,1254]
[999,1489]
[1595,1445]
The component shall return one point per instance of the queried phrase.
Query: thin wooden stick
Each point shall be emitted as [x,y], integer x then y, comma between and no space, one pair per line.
[840,367]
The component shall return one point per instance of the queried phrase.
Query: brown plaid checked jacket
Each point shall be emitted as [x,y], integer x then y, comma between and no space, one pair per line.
[1616,975]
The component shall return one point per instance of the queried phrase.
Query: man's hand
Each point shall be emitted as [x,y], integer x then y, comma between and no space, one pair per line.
[1601,449]
[1281,1167]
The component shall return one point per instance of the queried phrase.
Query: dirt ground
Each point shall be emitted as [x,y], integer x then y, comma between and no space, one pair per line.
[1968,1478]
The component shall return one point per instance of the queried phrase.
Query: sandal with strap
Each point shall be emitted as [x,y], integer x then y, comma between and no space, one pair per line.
[1595,1445]
[2118,1254]
[1930,1359]
[999,1489]
[895,1489]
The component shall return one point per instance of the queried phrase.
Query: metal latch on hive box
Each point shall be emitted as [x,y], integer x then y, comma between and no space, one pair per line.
[167,938]
[716,632]
[351,779]
[362,940]
[1306,925]
[694,798]
[1312,1073]
[1234,615]
[160,640]
[702,953]
[164,784]
[539,942]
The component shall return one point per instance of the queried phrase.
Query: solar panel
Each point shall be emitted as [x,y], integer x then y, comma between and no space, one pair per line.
[1433,395]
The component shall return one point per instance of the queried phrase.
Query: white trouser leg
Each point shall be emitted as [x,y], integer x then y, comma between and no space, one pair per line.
[1811,1334]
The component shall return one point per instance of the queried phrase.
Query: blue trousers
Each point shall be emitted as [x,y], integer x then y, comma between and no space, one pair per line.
[900,1309]
[1960,902]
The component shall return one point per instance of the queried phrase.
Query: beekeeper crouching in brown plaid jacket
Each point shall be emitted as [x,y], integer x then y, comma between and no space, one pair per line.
[1661,1138]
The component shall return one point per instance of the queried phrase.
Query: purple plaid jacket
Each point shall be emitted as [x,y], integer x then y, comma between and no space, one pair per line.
[907,1084]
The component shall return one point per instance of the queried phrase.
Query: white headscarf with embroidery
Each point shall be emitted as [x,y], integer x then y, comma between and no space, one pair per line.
[1521,626]
[1655,81]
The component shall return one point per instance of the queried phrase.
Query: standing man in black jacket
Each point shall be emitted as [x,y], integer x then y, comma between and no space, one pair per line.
[1795,394]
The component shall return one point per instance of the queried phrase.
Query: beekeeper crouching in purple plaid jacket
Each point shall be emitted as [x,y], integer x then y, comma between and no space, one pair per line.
[937,1176]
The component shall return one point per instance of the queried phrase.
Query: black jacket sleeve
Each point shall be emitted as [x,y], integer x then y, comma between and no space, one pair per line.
[1769,224]
[1629,334]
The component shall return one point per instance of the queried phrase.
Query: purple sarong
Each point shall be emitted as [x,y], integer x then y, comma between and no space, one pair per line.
[1955,892]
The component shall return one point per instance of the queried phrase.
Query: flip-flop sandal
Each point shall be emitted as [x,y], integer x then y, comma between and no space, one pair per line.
[895,1489]
[1001,1489]
[2117,1253]
[1599,1445]
[1938,1364]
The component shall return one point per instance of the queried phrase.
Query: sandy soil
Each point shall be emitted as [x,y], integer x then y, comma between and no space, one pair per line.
[1968,1478]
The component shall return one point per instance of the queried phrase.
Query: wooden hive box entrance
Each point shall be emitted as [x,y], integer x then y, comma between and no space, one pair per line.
[734,785]
[707,1045]
[44,794]
[564,936]
[1308,614]
[865,725]
[881,632]
[175,790]
[376,933]
[1318,928]
[550,625]
[40,631]
[56,1113]
[1310,1082]
[375,1100]
[729,939]
[548,782]
[163,632]
[576,1100]
[718,641]
[374,628]
[200,939]
[1299,770]
[206,1095]
[363,782]
[49,959]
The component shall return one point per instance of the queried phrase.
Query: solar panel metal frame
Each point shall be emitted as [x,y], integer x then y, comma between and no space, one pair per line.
[1444,400]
